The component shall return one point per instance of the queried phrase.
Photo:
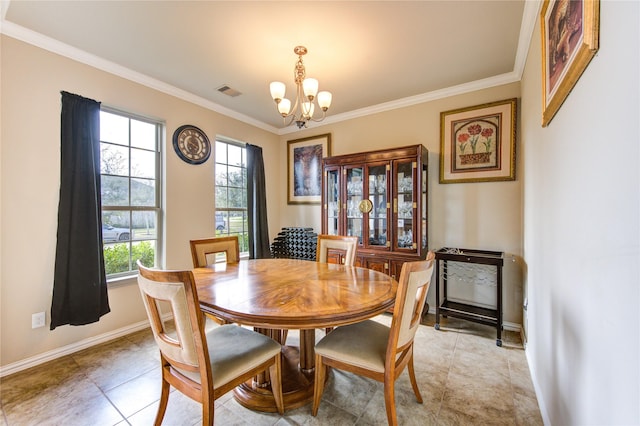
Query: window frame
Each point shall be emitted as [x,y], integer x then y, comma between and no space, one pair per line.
[225,210]
[157,208]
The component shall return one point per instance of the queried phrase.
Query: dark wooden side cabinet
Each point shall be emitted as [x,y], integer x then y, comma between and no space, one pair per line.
[380,197]
[468,311]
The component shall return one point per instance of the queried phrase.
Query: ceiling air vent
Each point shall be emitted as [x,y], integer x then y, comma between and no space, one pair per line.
[226,90]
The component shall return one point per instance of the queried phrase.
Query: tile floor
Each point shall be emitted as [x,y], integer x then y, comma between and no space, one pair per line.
[464,378]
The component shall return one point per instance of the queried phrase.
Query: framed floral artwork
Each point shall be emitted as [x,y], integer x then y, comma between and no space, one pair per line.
[304,159]
[477,144]
[570,31]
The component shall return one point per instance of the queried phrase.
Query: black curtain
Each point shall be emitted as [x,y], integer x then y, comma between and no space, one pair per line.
[79,283]
[257,205]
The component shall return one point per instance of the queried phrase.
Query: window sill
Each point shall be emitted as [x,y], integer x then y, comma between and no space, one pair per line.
[122,281]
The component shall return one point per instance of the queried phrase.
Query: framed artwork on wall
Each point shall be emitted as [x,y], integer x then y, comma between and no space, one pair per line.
[477,144]
[570,31]
[304,160]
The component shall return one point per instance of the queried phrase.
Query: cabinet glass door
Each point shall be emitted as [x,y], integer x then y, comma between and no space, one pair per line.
[405,205]
[353,200]
[377,225]
[332,182]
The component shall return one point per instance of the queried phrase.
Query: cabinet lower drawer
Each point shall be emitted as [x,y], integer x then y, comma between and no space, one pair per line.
[386,264]
[379,264]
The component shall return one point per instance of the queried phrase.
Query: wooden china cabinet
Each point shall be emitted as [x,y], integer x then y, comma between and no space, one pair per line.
[381,198]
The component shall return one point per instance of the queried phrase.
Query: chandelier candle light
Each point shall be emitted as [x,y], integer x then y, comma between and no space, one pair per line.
[307,92]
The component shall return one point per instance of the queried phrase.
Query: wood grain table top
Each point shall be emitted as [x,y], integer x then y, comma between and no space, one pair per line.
[293,294]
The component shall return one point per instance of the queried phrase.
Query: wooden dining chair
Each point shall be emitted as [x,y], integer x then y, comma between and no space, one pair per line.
[330,247]
[204,250]
[203,366]
[375,350]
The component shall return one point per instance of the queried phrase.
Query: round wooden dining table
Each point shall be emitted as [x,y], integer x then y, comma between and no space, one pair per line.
[276,295]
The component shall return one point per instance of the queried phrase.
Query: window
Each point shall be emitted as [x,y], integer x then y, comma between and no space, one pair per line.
[231,192]
[130,178]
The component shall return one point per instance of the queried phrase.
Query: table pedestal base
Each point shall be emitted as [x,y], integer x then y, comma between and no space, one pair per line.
[297,386]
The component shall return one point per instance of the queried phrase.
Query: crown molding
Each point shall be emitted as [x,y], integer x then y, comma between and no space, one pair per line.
[473,86]
[36,39]
[527,28]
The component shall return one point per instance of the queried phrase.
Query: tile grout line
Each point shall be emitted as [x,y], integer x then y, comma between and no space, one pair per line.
[99,389]
[446,383]
[448,347]
[104,392]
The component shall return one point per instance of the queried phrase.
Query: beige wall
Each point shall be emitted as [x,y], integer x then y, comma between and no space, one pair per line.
[581,232]
[571,220]
[478,215]
[30,153]
[485,215]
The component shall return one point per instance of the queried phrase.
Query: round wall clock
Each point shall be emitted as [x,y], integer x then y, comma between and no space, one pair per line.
[191,144]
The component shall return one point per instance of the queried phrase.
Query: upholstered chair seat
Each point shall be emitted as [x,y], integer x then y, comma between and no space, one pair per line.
[374,350]
[363,344]
[202,366]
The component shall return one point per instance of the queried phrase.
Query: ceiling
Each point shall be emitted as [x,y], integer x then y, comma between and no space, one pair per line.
[372,55]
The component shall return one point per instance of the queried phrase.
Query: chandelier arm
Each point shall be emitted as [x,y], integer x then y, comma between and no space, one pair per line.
[304,108]
[292,111]
[291,120]
[317,120]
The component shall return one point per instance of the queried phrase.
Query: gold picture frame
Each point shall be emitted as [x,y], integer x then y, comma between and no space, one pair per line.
[570,31]
[304,159]
[478,143]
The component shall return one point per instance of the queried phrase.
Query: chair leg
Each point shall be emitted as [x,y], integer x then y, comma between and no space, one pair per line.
[207,411]
[276,383]
[390,401]
[318,385]
[164,399]
[328,330]
[412,377]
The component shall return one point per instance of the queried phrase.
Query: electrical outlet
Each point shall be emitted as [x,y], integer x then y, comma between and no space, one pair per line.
[37,320]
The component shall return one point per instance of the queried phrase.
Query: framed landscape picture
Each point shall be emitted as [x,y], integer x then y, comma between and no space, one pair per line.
[304,159]
[477,144]
[570,31]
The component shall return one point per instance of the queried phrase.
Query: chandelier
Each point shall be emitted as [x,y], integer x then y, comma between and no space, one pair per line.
[307,92]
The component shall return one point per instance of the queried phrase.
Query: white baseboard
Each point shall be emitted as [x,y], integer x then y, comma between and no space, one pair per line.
[102,338]
[33,361]
[536,387]
[506,325]
[512,326]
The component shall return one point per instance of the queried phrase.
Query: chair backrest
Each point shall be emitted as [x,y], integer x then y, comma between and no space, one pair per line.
[185,348]
[338,242]
[203,250]
[415,278]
